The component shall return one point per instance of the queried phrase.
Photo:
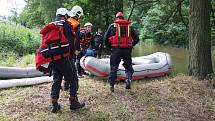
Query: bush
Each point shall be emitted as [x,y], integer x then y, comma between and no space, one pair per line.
[8,59]
[156,27]
[18,39]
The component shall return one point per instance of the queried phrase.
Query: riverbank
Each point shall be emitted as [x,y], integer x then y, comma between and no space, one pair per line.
[166,98]
[13,60]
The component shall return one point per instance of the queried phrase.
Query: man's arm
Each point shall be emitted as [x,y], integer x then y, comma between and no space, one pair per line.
[107,35]
[134,36]
[68,34]
[78,37]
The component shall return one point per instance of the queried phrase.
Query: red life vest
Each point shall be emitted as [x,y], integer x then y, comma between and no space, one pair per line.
[54,45]
[122,38]
[85,41]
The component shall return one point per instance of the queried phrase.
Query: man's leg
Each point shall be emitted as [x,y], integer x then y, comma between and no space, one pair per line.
[128,67]
[66,83]
[79,68]
[55,90]
[71,75]
[114,64]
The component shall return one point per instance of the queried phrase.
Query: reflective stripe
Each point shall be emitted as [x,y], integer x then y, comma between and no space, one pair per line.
[128,31]
[54,48]
[118,26]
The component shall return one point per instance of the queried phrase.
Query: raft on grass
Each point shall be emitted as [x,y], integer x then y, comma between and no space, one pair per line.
[17,72]
[24,82]
[153,65]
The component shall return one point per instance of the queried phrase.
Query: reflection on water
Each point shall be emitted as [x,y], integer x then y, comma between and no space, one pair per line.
[179,55]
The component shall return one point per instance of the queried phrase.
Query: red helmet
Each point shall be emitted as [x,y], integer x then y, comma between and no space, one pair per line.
[119,14]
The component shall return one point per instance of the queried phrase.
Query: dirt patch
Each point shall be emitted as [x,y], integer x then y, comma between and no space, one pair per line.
[170,98]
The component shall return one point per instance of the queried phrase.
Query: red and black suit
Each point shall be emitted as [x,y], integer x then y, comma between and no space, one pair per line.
[86,41]
[57,54]
[121,38]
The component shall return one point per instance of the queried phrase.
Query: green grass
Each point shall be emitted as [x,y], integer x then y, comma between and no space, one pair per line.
[99,116]
[3,117]
[11,59]
[168,98]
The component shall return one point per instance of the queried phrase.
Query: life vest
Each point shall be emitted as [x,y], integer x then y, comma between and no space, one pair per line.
[54,45]
[122,38]
[74,24]
[85,41]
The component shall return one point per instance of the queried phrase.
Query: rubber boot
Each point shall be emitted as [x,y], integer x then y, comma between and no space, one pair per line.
[111,87]
[75,104]
[128,80]
[128,84]
[55,106]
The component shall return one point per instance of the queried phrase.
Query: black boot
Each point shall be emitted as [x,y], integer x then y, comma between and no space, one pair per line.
[55,107]
[128,80]
[111,88]
[128,84]
[75,104]
[112,83]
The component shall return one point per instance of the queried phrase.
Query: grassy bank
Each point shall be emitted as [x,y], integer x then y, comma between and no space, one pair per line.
[11,59]
[169,98]
[18,44]
[18,39]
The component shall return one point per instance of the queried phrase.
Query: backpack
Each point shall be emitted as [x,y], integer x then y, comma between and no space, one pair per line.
[52,33]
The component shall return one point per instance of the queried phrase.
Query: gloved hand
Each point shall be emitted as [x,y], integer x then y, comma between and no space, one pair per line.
[77,52]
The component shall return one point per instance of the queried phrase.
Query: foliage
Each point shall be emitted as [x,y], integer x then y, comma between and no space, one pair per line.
[7,59]
[164,29]
[11,59]
[153,19]
[100,13]
[18,39]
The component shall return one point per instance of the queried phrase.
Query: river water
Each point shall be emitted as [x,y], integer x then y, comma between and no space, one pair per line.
[179,55]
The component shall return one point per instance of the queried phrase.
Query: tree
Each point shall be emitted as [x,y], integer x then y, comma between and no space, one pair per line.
[200,63]
[118,4]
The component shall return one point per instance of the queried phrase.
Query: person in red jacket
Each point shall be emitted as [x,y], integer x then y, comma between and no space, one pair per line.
[86,41]
[121,37]
[61,64]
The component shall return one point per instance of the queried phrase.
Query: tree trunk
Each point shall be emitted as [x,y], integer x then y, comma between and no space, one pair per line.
[200,63]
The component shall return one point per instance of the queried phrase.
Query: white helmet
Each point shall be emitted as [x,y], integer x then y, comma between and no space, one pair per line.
[61,11]
[87,24]
[76,11]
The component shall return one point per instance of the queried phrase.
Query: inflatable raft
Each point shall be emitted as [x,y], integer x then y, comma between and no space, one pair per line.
[24,82]
[156,64]
[16,72]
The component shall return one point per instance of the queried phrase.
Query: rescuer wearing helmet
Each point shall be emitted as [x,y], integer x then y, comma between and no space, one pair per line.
[72,17]
[64,67]
[122,38]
